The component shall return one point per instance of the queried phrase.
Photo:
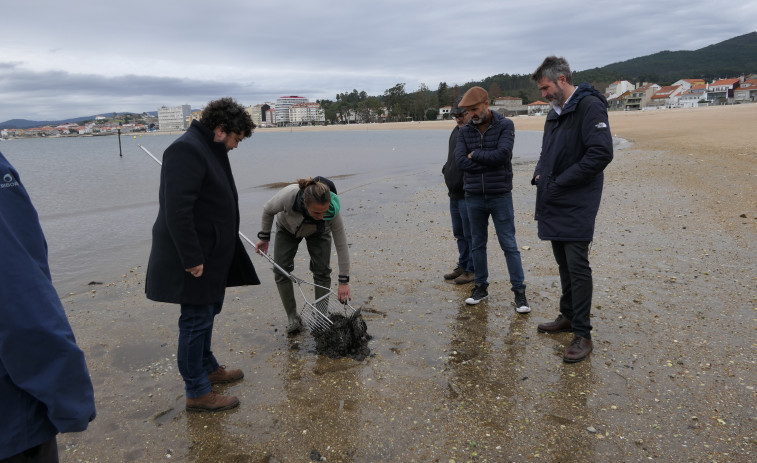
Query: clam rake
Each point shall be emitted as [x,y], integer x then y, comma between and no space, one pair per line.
[315,315]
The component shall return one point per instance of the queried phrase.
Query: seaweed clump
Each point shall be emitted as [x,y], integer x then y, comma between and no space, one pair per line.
[346,337]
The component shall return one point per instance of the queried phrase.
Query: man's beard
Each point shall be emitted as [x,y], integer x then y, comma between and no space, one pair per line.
[477,120]
[557,98]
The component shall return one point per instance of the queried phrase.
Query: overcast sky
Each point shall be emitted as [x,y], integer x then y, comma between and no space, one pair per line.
[69,59]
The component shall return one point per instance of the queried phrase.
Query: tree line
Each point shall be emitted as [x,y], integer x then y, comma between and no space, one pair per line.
[730,58]
[421,104]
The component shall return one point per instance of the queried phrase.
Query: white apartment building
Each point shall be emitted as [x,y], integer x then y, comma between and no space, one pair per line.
[282,107]
[619,87]
[263,115]
[306,113]
[174,117]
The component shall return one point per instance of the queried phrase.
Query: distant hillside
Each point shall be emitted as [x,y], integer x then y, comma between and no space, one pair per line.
[26,124]
[731,58]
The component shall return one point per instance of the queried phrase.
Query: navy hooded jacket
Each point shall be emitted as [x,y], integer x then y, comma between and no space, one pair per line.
[44,382]
[489,170]
[576,148]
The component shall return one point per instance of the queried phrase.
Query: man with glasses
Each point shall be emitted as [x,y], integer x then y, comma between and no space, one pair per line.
[196,251]
[453,177]
[484,153]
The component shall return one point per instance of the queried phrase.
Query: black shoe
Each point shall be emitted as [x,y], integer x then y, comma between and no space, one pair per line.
[477,295]
[521,303]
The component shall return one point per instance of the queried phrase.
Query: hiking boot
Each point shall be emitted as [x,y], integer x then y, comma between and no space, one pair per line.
[521,303]
[560,325]
[478,294]
[454,274]
[224,376]
[579,349]
[465,278]
[295,325]
[211,402]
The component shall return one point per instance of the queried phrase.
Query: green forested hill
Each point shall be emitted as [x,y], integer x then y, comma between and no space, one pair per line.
[731,58]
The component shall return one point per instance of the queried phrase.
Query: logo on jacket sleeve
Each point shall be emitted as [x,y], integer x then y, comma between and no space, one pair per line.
[8,181]
[601,125]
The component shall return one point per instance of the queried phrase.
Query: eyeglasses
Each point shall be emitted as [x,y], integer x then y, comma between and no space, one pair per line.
[458,115]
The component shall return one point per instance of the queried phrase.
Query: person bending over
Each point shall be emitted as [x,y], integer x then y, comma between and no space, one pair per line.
[308,209]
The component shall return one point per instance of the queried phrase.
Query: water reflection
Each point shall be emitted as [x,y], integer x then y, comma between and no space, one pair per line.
[568,414]
[486,375]
[209,439]
[323,410]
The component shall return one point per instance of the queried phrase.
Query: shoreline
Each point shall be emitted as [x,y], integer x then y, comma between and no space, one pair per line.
[671,377]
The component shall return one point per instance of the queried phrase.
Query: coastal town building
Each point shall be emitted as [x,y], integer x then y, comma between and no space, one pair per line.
[444,112]
[509,105]
[538,108]
[640,96]
[193,116]
[746,91]
[687,84]
[618,88]
[282,107]
[618,102]
[694,97]
[174,117]
[666,97]
[263,115]
[722,90]
[306,113]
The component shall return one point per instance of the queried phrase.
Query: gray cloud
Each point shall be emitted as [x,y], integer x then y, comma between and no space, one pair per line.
[101,57]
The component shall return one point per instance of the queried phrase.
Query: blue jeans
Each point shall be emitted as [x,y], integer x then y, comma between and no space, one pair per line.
[500,208]
[196,360]
[461,231]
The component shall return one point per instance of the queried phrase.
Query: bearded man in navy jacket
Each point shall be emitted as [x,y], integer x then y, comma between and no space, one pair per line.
[196,250]
[45,388]
[484,153]
[576,148]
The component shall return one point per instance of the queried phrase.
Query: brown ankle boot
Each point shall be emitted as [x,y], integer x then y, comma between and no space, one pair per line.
[579,349]
[223,376]
[560,325]
[211,402]
[454,274]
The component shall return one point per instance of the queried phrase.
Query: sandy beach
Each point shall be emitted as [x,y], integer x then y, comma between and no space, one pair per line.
[672,377]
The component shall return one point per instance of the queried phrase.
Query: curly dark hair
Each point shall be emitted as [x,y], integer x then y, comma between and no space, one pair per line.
[229,115]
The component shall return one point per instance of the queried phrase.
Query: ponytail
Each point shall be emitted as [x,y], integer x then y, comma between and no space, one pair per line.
[314,192]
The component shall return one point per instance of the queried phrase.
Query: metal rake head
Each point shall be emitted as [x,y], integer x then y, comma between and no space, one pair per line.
[316,315]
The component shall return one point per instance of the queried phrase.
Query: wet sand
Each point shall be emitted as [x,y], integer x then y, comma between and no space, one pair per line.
[671,378]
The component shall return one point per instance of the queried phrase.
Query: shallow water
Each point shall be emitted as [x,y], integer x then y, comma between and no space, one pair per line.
[97,207]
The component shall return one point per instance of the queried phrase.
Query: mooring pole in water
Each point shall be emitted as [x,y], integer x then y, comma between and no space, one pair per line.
[120,154]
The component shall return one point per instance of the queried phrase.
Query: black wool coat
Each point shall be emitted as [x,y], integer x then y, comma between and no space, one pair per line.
[197,223]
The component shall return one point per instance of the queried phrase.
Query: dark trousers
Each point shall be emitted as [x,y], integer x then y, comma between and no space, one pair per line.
[458,210]
[46,452]
[285,248]
[575,278]
[195,357]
